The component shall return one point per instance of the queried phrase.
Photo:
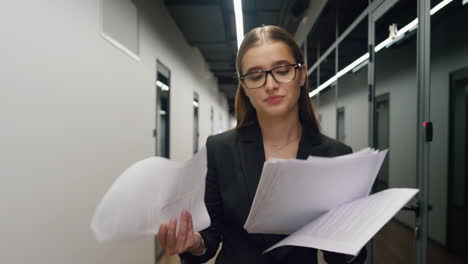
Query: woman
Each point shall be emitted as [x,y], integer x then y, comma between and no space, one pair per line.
[275,118]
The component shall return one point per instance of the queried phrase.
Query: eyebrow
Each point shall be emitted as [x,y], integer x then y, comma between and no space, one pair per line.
[276,63]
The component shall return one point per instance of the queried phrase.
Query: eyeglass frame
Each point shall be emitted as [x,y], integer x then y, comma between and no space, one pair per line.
[296,66]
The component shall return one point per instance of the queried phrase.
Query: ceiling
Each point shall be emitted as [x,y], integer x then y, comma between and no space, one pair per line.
[210,26]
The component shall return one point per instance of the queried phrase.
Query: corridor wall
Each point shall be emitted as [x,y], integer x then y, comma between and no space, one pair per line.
[75,111]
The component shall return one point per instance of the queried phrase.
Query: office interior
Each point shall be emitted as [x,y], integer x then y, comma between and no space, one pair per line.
[89,87]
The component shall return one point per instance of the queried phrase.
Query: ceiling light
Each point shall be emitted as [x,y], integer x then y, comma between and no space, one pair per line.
[439,6]
[239,22]
[163,86]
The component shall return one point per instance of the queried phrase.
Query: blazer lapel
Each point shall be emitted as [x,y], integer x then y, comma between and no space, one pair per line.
[252,157]
[309,145]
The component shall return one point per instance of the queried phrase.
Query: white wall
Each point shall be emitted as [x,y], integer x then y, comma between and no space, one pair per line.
[396,75]
[353,89]
[74,113]
[327,110]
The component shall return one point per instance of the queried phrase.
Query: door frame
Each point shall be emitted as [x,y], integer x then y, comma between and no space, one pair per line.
[385,97]
[157,128]
[423,113]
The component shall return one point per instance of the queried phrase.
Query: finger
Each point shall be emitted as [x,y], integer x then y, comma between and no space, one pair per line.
[192,239]
[182,235]
[171,236]
[162,235]
[190,222]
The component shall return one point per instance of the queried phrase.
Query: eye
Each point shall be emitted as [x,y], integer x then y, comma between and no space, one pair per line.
[283,70]
[254,76]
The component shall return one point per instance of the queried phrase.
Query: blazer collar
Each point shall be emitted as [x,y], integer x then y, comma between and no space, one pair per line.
[253,155]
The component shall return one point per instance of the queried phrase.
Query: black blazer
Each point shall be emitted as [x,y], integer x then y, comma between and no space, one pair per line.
[235,161]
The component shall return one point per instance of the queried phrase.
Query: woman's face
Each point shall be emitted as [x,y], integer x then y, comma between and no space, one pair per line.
[274,99]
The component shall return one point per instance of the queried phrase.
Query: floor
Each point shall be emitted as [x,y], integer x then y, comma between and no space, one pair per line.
[165,259]
[392,245]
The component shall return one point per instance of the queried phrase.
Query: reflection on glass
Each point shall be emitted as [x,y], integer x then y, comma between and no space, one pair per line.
[196,133]
[448,161]
[326,102]
[395,124]
[162,136]
[352,89]
[345,117]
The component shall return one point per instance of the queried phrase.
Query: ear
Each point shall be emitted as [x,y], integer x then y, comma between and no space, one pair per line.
[244,89]
[303,73]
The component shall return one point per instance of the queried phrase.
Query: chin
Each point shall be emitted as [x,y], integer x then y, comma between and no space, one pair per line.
[277,111]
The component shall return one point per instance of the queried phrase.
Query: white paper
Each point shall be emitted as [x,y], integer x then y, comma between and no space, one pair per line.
[149,193]
[346,229]
[292,193]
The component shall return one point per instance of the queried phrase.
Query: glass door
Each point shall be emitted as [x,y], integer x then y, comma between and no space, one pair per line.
[448,159]
[393,120]
[161,131]
[163,113]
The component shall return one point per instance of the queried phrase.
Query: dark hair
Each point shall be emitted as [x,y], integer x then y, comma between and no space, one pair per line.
[245,112]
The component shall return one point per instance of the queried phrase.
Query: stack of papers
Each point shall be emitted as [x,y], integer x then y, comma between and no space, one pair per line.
[323,202]
[320,202]
[149,193]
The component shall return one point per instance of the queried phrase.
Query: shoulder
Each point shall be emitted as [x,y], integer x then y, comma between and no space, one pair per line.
[225,138]
[334,147]
[233,136]
[225,142]
[223,148]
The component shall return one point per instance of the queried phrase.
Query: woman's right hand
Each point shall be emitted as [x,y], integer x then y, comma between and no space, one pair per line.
[186,239]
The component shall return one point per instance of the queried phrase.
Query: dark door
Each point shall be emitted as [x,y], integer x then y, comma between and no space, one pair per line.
[457,207]
[381,137]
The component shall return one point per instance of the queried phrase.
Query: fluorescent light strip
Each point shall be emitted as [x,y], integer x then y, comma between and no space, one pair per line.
[239,21]
[408,28]
[387,42]
[353,64]
[323,86]
[439,6]
[162,85]
[382,44]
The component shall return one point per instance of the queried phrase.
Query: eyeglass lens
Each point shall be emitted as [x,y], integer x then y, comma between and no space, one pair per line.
[280,74]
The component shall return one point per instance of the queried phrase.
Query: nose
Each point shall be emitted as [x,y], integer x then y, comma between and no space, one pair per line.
[270,82]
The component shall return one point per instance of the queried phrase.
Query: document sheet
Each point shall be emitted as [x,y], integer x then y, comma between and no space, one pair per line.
[151,192]
[324,203]
[291,192]
[347,228]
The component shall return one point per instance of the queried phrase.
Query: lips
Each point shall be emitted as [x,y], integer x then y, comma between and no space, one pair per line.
[274,99]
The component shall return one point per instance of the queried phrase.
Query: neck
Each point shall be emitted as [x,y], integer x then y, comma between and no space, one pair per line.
[280,129]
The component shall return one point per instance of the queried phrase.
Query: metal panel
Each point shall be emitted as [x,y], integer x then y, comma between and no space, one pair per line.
[213,52]
[269,4]
[222,66]
[194,22]
[311,16]
[267,18]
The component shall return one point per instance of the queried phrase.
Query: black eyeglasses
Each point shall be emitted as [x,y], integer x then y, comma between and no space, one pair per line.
[283,73]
